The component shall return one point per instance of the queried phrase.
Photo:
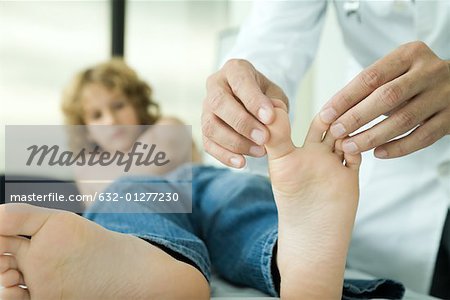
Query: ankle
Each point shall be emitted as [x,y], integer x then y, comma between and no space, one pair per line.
[311,281]
[297,287]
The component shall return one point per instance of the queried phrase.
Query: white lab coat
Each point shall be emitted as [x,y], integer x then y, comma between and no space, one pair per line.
[404,201]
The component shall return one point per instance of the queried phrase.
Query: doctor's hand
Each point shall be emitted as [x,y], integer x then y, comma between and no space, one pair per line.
[236,109]
[412,86]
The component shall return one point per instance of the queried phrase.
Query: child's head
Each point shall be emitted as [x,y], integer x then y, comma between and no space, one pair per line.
[110,93]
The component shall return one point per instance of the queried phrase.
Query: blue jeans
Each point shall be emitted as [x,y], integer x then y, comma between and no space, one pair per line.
[232,227]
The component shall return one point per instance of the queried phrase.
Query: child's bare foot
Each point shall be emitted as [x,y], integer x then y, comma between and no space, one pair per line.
[316,192]
[69,257]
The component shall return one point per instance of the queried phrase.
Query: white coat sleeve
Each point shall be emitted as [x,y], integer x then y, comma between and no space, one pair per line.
[280,38]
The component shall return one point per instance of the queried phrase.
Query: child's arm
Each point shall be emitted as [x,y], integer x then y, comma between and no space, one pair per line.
[167,134]
[196,155]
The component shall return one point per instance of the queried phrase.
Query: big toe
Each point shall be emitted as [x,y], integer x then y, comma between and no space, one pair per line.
[280,142]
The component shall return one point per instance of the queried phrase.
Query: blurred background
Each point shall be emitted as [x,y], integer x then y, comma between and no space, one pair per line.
[174,45]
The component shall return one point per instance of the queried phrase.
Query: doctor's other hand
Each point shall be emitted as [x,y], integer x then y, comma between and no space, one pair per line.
[412,86]
[235,111]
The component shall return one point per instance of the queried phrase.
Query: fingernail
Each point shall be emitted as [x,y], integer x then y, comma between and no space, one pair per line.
[264,115]
[235,161]
[380,153]
[256,151]
[328,115]
[349,147]
[337,130]
[257,136]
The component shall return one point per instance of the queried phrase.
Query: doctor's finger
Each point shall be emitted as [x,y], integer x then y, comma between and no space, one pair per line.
[421,137]
[382,101]
[382,71]
[223,135]
[316,131]
[248,85]
[399,122]
[221,102]
[225,156]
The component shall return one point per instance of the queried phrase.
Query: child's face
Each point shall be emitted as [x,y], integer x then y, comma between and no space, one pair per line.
[102,106]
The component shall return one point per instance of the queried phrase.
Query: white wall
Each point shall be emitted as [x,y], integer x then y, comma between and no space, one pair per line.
[173,45]
[42,44]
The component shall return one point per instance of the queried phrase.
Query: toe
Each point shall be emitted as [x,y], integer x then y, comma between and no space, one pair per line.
[7,262]
[353,161]
[338,150]
[17,246]
[11,278]
[22,219]
[329,140]
[14,293]
[317,130]
[280,142]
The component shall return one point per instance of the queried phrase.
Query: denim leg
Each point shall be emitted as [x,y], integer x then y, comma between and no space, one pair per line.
[238,224]
[169,231]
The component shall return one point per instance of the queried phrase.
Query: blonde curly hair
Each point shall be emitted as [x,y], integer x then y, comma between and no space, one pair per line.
[112,74]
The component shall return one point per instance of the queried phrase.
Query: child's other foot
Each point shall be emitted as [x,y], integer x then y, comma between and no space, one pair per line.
[69,257]
[316,192]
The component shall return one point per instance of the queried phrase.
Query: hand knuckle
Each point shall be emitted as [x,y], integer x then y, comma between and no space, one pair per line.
[356,118]
[419,47]
[347,99]
[426,137]
[236,63]
[207,145]
[216,100]
[237,146]
[391,95]
[371,78]
[440,67]
[241,122]
[237,82]
[406,57]
[370,140]
[405,119]
[252,103]
[208,127]
[401,149]
[440,131]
